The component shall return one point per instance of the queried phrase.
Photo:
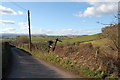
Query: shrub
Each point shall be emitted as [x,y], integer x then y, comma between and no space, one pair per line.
[22,40]
[111,32]
[41,46]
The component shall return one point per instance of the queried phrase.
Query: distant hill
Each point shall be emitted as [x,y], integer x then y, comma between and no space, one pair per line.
[13,35]
[39,35]
[9,35]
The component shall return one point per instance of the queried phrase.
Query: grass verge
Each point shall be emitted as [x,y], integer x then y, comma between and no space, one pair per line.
[69,65]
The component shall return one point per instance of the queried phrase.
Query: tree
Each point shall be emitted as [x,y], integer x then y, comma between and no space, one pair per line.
[111,32]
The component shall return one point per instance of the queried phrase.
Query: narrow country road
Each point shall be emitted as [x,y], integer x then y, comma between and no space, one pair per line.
[26,66]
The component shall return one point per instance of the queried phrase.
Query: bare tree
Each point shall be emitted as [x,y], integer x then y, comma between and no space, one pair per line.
[111,32]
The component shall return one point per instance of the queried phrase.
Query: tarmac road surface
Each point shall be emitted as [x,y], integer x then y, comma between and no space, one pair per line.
[26,66]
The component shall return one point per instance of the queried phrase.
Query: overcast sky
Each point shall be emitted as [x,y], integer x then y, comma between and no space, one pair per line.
[57,18]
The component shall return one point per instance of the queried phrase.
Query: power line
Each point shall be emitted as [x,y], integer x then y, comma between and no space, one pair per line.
[18,5]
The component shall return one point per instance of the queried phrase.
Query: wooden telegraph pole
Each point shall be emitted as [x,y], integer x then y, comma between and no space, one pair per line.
[29,30]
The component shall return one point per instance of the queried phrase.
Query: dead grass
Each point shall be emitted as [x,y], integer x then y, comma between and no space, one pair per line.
[93,57]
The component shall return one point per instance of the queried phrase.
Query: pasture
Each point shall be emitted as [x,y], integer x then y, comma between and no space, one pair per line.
[65,39]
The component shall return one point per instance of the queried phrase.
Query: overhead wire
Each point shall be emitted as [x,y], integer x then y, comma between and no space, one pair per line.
[19,6]
[14,3]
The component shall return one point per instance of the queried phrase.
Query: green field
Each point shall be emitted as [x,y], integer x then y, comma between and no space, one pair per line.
[8,39]
[81,39]
[65,39]
[101,42]
[70,39]
[45,38]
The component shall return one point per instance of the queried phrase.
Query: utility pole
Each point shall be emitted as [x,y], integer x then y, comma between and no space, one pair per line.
[29,30]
